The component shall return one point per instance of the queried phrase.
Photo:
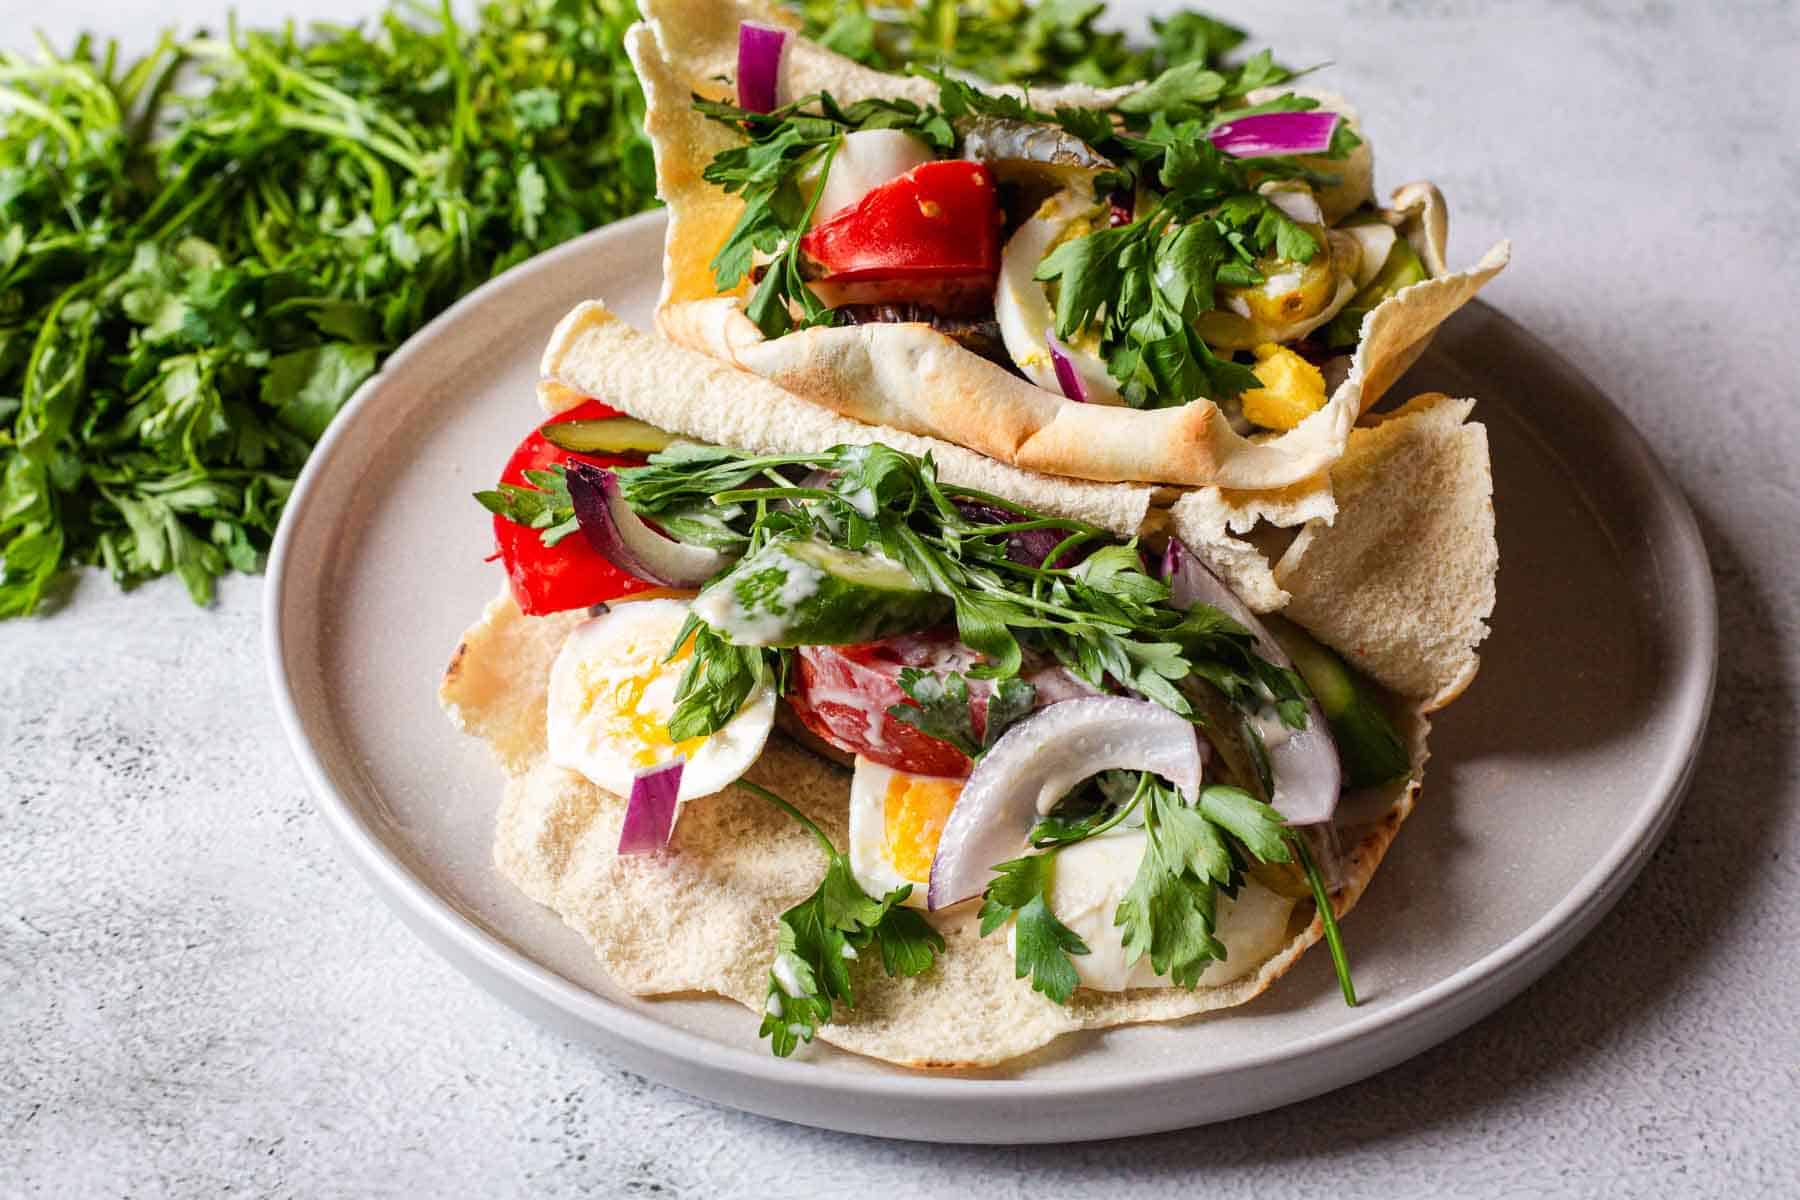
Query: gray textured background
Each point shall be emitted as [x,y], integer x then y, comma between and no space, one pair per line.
[197,995]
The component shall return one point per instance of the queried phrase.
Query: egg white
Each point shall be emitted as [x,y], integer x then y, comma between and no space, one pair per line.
[616,658]
[864,161]
[1090,878]
[1022,303]
[869,862]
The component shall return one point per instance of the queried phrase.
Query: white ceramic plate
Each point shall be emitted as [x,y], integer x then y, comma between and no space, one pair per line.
[1550,782]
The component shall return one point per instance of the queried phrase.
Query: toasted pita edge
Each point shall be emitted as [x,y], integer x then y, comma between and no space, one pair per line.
[593,353]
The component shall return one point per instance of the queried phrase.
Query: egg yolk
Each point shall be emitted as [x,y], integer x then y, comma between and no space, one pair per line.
[1292,389]
[618,709]
[913,817]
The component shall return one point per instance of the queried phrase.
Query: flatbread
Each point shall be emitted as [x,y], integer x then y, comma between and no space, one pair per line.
[702,916]
[1403,582]
[593,353]
[909,376]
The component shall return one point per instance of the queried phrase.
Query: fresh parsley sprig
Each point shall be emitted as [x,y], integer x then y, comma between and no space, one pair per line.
[1105,618]
[822,935]
[941,708]
[1042,944]
[545,505]
[1192,853]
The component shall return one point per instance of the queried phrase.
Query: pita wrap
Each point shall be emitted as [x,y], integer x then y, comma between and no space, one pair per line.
[913,378]
[702,915]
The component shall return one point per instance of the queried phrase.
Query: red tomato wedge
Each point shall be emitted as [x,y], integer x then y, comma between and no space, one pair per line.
[937,227]
[842,693]
[570,574]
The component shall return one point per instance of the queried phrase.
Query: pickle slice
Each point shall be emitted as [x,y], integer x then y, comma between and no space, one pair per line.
[610,435]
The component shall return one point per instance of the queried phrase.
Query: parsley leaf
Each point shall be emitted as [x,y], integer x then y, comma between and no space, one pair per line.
[719,677]
[1171,908]
[1042,943]
[942,709]
[820,937]
[544,505]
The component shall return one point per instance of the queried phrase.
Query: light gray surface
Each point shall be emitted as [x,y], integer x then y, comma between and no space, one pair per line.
[198,994]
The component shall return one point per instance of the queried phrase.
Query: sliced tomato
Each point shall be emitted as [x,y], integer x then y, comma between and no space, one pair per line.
[936,228]
[843,693]
[570,574]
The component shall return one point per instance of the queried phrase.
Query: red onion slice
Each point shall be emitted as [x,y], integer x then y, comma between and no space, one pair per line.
[627,541]
[1266,135]
[1304,762]
[1028,547]
[1036,762]
[650,812]
[759,65]
[1067,377]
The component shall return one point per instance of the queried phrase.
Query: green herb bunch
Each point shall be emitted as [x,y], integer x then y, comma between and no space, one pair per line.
[203,252]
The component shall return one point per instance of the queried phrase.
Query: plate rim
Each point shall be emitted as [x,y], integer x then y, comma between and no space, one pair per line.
[1439,1010]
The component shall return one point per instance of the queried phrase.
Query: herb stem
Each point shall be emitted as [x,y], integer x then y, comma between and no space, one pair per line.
[1334,940]
[790,810]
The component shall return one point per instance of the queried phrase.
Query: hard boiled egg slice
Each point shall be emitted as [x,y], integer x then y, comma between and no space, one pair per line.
[611,696]
[1022,303]
[895,822]
[864,161]
[1091,877]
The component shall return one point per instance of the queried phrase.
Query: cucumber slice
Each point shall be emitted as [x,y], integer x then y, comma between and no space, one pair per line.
[809,593]
[1369,746]
[1402,269]
[610,435]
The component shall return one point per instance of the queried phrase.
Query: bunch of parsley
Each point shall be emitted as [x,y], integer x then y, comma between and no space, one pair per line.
[204,252]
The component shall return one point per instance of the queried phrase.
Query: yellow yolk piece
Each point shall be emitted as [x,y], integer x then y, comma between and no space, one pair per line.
[913,817]
[1292,389]
[618,705]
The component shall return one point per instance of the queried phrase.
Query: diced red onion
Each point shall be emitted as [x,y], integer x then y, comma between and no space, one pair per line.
[1119,209]
[630,543]
[1266,135]
[1067,377]
[1308,774]
[1036,763]
[759,65]
[650,811]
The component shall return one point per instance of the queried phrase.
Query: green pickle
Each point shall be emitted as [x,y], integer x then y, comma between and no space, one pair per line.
[1402,269]
[1369,746]
[796,592]
[609,435]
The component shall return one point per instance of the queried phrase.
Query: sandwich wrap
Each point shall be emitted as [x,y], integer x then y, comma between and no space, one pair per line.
[910,377]
[700,916]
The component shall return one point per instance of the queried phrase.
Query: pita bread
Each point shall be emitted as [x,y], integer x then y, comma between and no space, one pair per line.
[912,378]
[701,917]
